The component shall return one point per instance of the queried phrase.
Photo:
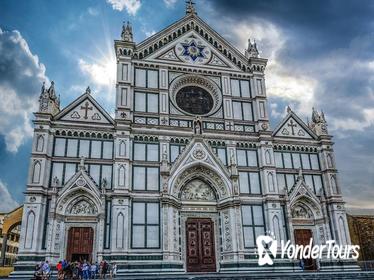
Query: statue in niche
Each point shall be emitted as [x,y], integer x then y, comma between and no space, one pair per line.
[197,126]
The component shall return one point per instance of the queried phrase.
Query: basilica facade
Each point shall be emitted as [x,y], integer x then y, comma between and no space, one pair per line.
[186,173]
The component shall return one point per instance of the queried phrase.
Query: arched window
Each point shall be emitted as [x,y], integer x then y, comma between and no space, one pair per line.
[329,161]
[40,143]
[271,182]
[121,176]
[343,234]
[120,231]
[276,228]
[122,148]
[29,236]
[267,157]
[36,172]
[334,186]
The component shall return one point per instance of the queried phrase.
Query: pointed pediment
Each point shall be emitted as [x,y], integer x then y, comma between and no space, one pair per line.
[80,187]
[301,189]
[198,151]
[84,109]
[191,40]
[198,161]
[80,180]
[293,127]
[192,49]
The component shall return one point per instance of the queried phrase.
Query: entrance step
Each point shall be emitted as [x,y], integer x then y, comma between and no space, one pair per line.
[341,275]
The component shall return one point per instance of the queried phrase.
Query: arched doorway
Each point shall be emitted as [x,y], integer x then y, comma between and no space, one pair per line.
[200,225]
[11,232]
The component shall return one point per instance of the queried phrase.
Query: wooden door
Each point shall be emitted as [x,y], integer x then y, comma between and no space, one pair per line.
[80,244]
[302,237]
[201,255]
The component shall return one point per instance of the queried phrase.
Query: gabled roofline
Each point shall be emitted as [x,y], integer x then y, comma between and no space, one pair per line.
[298,120]
[85,95]
[206,26]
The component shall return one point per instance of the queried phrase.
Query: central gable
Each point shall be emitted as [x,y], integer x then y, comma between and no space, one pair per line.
[192,49]
[209,47]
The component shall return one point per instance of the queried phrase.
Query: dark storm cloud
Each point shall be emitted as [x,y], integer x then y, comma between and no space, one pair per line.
[313,26]
[332,43]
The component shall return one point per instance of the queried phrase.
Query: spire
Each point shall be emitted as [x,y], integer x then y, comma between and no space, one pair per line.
[251,50]
[51,91]
[318,123]
[190,7]
[49,102]
[126,34]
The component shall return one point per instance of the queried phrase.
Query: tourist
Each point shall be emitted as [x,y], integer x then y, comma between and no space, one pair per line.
[75,270]
[38,274]
[60,271]
[302,264]
[46,269]
[114,270]
[110,270]
[104,269]
[86,270]
[93,270]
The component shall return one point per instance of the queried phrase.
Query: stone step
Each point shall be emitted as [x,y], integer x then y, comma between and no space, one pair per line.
[338,275]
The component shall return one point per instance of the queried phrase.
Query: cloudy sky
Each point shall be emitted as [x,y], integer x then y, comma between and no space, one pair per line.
[321,54]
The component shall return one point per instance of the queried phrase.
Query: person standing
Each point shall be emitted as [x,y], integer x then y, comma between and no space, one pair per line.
[114,270]
[85,270]
[93,269]
[46,269]
[60,271]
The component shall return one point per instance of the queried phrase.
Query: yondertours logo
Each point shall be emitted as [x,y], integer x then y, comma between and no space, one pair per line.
[267,248]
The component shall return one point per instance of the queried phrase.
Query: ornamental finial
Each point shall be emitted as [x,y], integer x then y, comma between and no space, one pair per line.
[88,90]
[190,7]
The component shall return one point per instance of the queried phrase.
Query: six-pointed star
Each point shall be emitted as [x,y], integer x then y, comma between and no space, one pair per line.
[193,50]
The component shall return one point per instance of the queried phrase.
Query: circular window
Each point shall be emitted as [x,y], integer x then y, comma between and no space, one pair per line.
[194,100]
[195,95]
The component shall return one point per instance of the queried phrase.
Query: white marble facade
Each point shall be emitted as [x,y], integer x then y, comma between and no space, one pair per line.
[136,178]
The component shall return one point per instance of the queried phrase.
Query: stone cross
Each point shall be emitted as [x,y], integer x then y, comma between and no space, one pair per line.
[86,108]
[292,125]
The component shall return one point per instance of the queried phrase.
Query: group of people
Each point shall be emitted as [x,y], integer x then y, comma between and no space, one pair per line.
[77,270]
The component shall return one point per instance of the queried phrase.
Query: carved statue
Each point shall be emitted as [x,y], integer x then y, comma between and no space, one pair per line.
[197,190]
[300,212]
[104,183]
[82,208]
[55,182]
[81,163]
[197,126]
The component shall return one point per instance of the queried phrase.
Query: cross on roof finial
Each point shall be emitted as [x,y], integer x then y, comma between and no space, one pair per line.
[190,7]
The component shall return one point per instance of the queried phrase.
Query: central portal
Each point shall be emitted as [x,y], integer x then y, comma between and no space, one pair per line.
[80,244]
[201,255]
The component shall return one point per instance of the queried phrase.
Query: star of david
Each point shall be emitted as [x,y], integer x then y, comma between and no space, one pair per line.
[193,50]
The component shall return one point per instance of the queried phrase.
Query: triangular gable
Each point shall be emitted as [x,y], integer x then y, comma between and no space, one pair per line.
[81,179]
[198,151]
[302,192]
[79,196]
[192,49]
[215,42]
[293,127]
[85,109]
